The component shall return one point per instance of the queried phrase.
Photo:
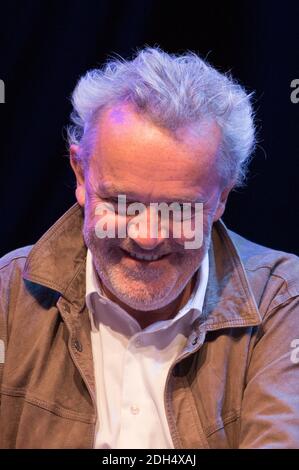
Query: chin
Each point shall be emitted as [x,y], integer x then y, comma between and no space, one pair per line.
[146,300]
[146,306]
[138,295]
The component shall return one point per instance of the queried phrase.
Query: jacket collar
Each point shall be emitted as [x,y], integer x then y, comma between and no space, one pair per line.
[229,301]
[58,260]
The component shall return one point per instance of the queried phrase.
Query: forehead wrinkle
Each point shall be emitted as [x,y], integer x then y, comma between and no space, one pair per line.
[111,190]
[146,140]
[148,165]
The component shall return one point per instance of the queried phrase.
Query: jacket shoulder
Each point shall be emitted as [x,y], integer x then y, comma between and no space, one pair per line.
[13,262]
[279,265]
[19,255]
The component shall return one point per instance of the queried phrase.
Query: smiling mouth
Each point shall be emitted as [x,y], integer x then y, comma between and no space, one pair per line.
[145,257]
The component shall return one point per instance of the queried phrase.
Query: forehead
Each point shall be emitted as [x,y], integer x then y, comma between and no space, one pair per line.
[134,156]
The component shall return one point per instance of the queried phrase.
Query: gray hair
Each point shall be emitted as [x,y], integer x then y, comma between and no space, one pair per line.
[173,91]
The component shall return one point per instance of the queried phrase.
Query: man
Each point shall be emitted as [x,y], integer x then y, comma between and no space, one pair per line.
[115,332]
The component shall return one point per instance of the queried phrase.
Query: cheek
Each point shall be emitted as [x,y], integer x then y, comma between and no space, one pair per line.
[196,230]
[108,225]
[121,225]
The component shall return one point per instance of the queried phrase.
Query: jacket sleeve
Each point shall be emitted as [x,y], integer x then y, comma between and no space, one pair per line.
[270,406]
[3,328]
[7,271]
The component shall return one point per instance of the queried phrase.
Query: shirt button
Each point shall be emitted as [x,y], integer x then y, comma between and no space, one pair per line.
[134,410]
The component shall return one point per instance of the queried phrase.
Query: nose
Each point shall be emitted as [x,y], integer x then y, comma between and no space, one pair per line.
[146,230]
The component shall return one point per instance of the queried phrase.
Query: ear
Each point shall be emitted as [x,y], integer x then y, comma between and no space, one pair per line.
[222,202]
[79,173]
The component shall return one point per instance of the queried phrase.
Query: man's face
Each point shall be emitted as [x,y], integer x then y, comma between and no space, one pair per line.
[134,157]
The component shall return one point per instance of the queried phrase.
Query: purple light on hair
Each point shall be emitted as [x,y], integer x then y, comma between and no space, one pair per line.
[117,116]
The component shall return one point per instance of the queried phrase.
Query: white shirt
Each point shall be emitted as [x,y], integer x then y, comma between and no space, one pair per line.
[131,366]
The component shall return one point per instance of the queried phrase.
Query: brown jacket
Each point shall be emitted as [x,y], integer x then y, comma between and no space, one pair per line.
[234,386]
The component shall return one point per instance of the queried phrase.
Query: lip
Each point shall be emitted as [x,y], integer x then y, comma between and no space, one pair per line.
[128,255]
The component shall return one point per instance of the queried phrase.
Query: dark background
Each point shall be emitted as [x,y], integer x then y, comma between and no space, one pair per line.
[46,46]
